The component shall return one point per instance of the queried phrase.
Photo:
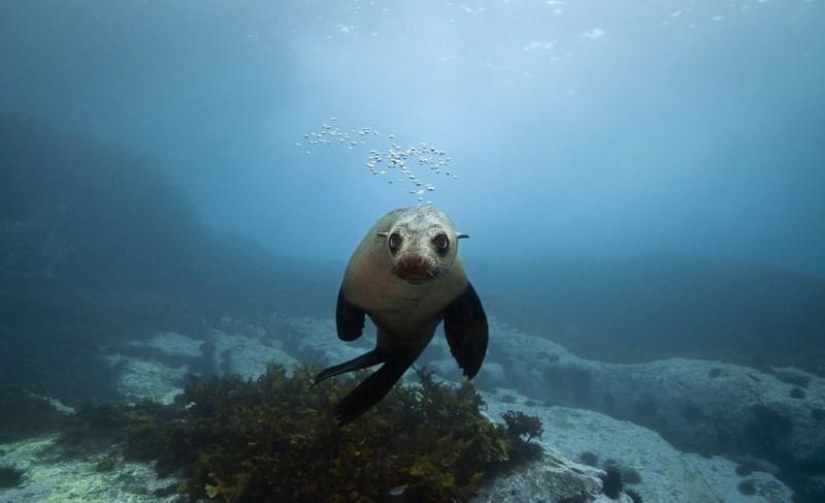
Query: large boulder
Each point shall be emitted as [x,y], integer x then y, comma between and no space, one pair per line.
[554,478]
[156,368]
[649,465]
[702,406]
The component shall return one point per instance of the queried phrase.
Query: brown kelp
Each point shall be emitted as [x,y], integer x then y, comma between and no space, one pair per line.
[275,439]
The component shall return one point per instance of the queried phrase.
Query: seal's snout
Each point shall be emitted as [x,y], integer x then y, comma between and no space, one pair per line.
[413,268]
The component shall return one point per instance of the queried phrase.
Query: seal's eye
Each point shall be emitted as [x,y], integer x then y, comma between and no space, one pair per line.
[394,242]
[441,243]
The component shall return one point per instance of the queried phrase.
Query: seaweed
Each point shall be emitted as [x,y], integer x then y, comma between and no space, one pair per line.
[275,439]
[630,475]
[612,482]
[522,425]
[520,430]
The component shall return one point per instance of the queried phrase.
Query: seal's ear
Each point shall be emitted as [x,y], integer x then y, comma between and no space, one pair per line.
[461,235]
[383,234]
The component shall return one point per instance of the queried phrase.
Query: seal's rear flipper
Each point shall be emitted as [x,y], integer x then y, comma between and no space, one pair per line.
[349,318]
[371,391]
[366,360]
[465,325]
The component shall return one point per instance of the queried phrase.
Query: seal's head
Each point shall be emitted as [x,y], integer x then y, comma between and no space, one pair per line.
[422,244]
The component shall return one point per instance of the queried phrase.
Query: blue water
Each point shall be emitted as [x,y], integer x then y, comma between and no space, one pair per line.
[639,180]
[587,128]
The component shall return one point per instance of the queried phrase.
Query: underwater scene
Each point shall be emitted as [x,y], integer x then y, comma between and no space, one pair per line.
[511,251]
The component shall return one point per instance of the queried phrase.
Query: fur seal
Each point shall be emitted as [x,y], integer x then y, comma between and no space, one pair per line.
[407,276]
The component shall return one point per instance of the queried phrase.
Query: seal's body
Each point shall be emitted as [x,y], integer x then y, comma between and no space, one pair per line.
[407,275]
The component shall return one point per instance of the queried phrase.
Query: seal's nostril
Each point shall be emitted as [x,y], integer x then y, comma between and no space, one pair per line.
[413,267]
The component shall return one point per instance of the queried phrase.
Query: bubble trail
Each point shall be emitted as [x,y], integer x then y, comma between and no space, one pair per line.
[395,158]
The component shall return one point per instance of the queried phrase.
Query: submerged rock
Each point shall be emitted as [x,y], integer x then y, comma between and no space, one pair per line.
[141,379]
[173,344]
[648,463]
[247,356]
[698,406]
[555,478]
[49,477]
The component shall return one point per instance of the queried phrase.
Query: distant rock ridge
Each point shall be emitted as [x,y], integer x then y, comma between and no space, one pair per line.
[698,406]
[647,307]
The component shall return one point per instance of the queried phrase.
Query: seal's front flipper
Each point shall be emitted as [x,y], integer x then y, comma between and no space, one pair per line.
[349,318]
[465,325]
[371,390]
[366,360]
